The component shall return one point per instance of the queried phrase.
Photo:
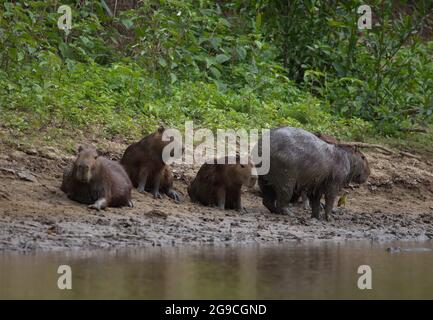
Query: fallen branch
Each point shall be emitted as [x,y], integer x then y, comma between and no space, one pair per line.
[422,130]
[410,155]
[380,147]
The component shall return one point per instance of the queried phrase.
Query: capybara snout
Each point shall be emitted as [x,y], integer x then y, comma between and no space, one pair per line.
[360,167]
[85,164]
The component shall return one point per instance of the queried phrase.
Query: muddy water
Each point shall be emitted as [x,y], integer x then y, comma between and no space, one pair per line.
[316,270]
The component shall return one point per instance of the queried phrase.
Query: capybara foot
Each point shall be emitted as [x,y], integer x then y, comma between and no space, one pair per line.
[156,195]
[99,205]
[242,210]
[313,216]
[94,206]
[141,189]
[284,211]
[173,194]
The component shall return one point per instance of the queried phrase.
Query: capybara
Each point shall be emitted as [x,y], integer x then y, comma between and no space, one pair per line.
[300,161]
[328,139]
[218,184]
[145,167]
[97,181]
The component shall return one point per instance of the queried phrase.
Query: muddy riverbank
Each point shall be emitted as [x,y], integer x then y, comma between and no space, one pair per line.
[396,204]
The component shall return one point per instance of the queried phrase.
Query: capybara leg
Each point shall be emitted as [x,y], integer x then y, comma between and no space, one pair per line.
[173,194]
[284,194]
[269,196]
[269,203]
[238,200]
[221,198]
[156,185]
[315,205]
[142,179]
[305,201]
[100,204]
[329,203]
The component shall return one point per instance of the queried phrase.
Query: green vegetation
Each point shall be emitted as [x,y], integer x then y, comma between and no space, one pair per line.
[230,64]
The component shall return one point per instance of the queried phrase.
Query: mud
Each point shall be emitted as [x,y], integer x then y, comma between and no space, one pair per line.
[395,204]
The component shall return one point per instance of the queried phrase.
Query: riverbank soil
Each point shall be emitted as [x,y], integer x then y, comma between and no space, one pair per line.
[395,204]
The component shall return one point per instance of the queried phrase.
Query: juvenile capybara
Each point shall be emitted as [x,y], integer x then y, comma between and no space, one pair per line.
[300,161]
[326,137]
[97,181]
[220,184]
[145,167]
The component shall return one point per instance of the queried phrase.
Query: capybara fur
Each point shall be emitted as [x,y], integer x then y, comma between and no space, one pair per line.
[145,167]
[218,184]
[326,137]
[304,197]
[97,181]
[300,161]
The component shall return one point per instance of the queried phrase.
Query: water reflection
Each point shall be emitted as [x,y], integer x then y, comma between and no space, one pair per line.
[298,271]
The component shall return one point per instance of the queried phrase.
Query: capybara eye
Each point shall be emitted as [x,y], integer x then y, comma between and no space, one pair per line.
[242,166]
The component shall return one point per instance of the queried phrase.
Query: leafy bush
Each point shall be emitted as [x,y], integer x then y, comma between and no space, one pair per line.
[221,64]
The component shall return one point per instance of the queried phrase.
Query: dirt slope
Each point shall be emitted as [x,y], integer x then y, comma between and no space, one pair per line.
[396,203]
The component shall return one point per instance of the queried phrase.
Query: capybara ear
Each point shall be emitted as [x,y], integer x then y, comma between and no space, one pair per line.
[80,148]
[161,129]
[99,153]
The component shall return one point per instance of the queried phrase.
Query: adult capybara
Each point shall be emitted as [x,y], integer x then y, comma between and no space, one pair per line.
[97,181]
[145,167]
[300,161]
[295,198]
[220,184]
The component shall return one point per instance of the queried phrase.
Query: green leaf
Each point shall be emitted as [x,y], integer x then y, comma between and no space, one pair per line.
[241,52]
[221,58]
[107,8]
[215,72]
[162,62]
[128,23]
[258,21]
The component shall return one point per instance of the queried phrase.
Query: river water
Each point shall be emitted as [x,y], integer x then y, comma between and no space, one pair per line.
[299,271]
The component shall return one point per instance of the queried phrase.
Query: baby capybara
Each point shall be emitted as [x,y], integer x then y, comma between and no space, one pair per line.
[97,181]
[326,137]
[220,184]
[145,167]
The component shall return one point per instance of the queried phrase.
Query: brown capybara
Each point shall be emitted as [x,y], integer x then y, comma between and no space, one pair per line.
[220,184]
[300,161]
[97,181]
[145,167]
[326,137]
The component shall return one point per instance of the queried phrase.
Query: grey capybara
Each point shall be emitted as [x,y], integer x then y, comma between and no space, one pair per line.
[97,181]
[300,161]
